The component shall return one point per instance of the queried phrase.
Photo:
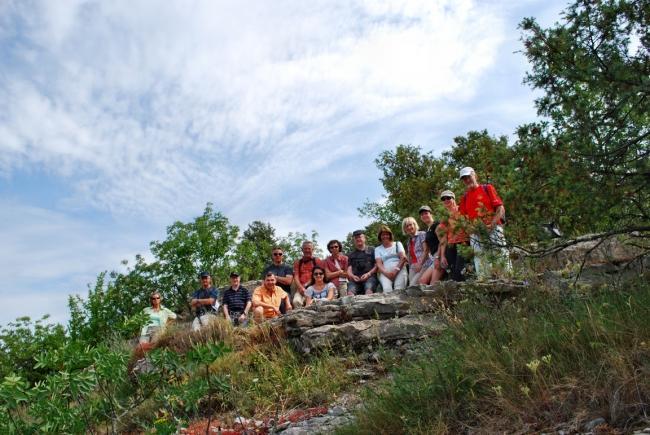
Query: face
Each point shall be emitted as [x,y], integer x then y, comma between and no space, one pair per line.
[269,282]
[386,237]
[277,256]
[234,281]
[318,275]
[426,217]
[448,202]
[334,248]
[360,241]
[206,281]
[155,300]
[410,228]
[469,180]
[307,250]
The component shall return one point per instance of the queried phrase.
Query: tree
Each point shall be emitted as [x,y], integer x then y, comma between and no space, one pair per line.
[594,70]
[253,252]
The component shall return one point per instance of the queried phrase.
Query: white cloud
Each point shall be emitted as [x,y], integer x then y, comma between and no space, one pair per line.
[152,108]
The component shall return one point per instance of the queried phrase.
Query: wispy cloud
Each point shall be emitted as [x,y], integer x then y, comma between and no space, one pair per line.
[148,108]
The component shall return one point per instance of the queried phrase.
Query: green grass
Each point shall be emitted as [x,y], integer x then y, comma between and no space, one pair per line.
[528,365]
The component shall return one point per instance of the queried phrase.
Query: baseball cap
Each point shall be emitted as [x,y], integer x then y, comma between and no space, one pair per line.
[447,193]
[424,208]
[466,171]
[358,233]
[204,274]
[234,274]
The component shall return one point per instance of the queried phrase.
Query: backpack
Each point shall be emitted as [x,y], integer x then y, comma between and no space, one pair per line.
[487,193]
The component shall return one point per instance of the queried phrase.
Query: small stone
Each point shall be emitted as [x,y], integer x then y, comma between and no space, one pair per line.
[336,410]
[593,423]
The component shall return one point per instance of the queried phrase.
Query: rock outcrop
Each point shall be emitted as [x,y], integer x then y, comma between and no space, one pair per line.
[358,321]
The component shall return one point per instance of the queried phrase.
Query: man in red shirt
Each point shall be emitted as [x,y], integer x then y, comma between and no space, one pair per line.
[482,204]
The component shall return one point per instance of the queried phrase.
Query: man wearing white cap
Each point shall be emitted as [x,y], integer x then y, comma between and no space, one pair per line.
[481,203]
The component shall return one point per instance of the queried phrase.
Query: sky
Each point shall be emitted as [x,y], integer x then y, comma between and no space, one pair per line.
[118,118]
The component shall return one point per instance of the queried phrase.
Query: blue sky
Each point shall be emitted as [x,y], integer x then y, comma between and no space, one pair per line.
[118,118]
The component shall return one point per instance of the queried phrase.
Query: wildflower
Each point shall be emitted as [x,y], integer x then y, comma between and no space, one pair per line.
[498,390]
[533,365]
[524,389]
[547,359]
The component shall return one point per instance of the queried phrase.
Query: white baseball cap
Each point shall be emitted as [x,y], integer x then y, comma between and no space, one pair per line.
[466,171]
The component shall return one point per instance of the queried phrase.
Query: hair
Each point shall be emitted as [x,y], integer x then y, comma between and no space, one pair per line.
[277,248]
[409,220]
[154,293]
[384,229]
[307,242]
[269,274]
[331,242]
[312,280]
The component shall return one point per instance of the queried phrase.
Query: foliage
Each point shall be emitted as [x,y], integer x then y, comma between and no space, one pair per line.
[292,245]
[594,70]
[530,364]
[21,340]
[253,252]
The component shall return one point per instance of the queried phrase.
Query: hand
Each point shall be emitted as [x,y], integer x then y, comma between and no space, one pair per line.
[443,263]
[277,311]
[417,267]
[242,317]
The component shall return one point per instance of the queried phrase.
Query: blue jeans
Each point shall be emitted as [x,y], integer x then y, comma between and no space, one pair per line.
[360,288]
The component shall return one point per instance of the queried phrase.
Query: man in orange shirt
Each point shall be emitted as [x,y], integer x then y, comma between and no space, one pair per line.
[267,299]
[482,204]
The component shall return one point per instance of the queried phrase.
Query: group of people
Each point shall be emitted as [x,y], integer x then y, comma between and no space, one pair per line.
[430,255]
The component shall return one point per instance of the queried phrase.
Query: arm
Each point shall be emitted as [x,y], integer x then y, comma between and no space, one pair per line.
[330,292]
[499,212]
[296,273]
[379,264]
[401,254]
[247,308]
[284,280]
[351,275]
[287,303]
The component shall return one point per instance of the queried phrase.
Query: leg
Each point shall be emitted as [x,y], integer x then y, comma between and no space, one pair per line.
[425,277]
[298,300]
[343,289]
[386,284]
[258,315]
[400,280]
[370,286]
[354,288]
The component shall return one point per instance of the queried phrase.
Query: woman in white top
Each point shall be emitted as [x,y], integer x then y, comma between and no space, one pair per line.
[390,258]
[158,318]
[318,289]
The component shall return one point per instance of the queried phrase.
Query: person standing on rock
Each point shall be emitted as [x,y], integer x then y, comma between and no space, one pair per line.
[282,271]
[204,302]
[483,207]
[267,299]
[361,267]
[302,270]
[434,272]
[236,302]
[391,261]
[451,239]
[336,266]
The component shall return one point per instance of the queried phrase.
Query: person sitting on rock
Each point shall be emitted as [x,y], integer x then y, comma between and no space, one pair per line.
[204,302]
[158,318]
[434,272]
[236,302]
[361,267]
[302,269]
[318,289]
[417,254]
[267,299]
[282,271]
[390,258]
[336,267]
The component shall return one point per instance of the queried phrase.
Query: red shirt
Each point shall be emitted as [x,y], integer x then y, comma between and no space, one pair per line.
[330,264]
[477,203]
[302,269]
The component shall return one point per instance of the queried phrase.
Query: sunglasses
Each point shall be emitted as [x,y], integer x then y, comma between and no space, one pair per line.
[334,246]
[319,274]
[156,298]
[446,198]
[278,254]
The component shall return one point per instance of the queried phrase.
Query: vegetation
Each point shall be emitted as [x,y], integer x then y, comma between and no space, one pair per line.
[530,364]
[547,359]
